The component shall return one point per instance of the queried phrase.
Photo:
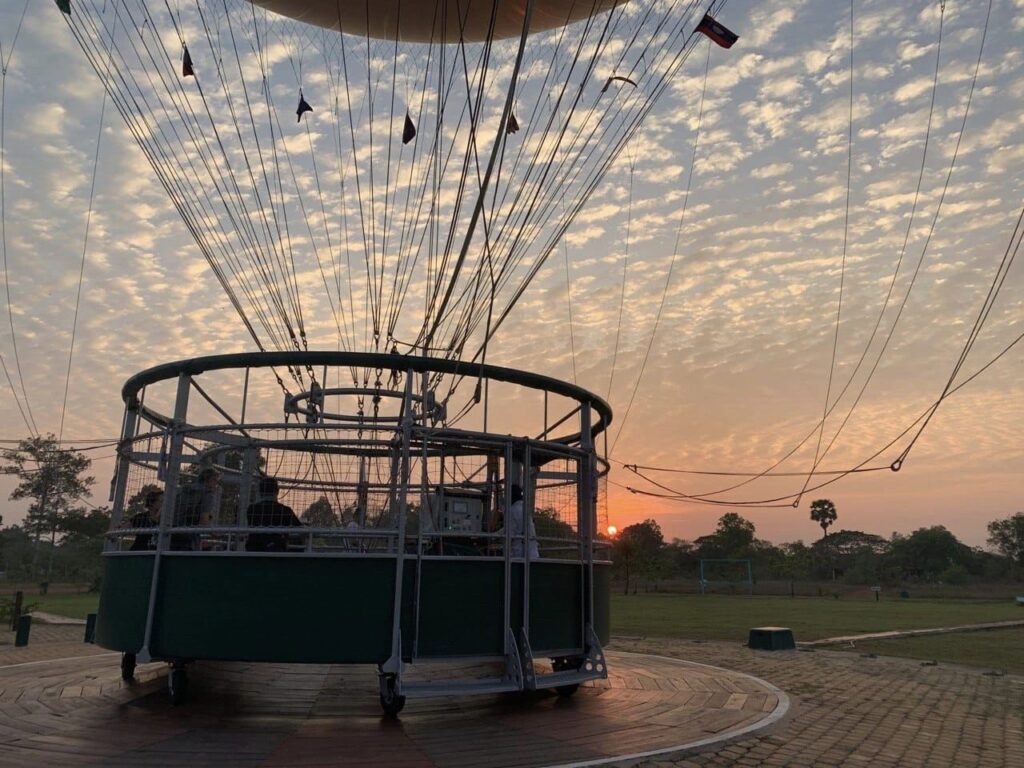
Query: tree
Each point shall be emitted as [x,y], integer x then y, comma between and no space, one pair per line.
[320,514]
[51,479]
[823,512]
[732,539]
[638,549]
[79,524]
[1007,537]
[928,553]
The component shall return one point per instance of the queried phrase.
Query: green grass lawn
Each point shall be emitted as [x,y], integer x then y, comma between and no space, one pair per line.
[726,617]
[994,649]
[75,606]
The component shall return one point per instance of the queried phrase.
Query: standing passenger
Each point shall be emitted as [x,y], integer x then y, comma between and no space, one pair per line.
[516,515]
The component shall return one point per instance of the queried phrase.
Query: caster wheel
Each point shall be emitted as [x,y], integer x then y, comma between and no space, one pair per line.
[390,701]
[128,667]
[177,685]
[566,691]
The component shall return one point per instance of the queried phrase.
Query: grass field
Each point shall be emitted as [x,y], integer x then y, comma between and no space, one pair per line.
[75,606]
[729,618]
[994,649]
[722,617]
[719,617]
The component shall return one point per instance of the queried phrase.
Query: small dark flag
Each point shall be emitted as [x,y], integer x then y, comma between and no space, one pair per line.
[409,132]
[186,64]
[303,107]
[717,32]
[513,124]
[65,6]
[613,78]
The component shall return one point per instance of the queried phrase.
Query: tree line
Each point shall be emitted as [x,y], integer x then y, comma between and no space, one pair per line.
[643,558]
[61,538]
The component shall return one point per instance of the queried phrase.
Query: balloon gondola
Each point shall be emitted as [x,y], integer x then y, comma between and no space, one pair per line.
[416,568]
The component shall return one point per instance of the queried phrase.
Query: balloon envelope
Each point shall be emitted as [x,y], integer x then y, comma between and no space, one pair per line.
[436,21]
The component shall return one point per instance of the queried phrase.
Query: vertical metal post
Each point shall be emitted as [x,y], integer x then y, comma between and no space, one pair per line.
[245,397]
[170,499]
[362,493]
[588,509]
[506,547]
[545,433]
[123,465]
[527,487]
[425,510]
[487,400]
[394,664]
[249,464]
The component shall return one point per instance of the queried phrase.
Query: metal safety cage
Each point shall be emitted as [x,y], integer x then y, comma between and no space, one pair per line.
[432,536]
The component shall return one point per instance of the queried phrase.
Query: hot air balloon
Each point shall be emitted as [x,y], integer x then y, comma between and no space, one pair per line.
[441,151]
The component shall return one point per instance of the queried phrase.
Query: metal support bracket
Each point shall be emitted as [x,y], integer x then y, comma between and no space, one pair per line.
[514,663]
[595,662]
[529,673]
[393,666]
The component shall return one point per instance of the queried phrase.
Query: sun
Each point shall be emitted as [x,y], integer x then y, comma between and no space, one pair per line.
[612,530]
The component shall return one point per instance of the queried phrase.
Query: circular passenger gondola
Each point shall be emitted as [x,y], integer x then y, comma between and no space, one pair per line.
[416,547]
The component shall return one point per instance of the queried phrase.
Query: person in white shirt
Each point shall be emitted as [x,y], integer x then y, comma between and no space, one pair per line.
[516,514]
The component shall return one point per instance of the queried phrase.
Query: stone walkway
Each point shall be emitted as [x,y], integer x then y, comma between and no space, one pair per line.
[857,712]
[897,633]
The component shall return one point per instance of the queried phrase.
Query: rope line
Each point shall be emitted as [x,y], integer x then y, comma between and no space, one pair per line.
[81,268]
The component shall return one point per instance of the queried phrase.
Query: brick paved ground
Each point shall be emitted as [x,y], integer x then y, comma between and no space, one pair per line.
[77,712]
[846,711]
[46,641]
[854,711]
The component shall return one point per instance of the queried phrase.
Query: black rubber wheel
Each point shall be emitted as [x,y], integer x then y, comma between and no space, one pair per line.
[390,701]
[566,691]
[127,667]
[177,685]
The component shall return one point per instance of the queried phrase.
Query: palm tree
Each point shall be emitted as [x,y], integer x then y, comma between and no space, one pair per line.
[823,512]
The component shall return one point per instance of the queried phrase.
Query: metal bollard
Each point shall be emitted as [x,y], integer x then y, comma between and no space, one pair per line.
[24,627]
[19,600]
[90,628]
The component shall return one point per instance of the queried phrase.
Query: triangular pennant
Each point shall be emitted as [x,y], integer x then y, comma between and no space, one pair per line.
[303,107]
[513,124]
[409,132]
[186,64]
[65,6]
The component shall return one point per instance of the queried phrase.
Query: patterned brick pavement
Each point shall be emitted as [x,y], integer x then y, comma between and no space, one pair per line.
[77,712]
[854,711]
[847,710]
[46,641]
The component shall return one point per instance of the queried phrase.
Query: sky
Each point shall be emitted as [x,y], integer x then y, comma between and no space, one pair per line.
[743,355]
